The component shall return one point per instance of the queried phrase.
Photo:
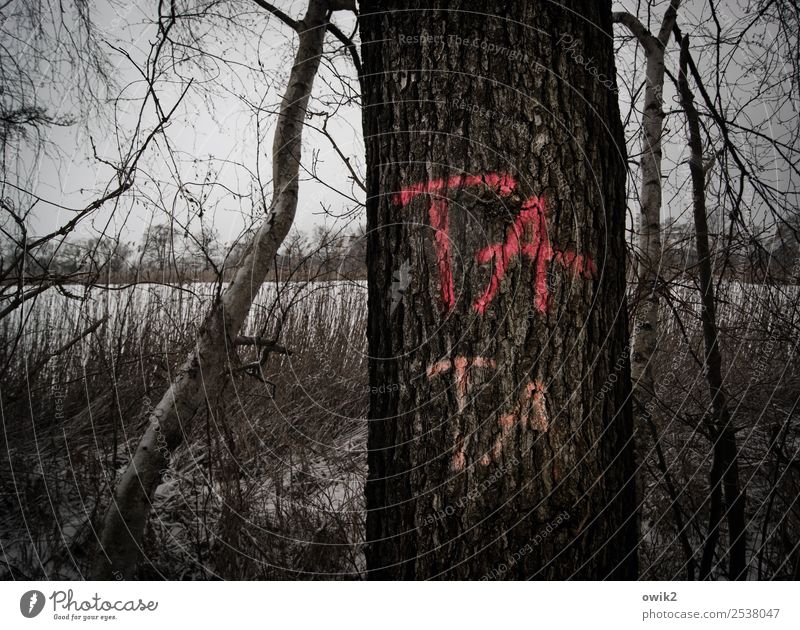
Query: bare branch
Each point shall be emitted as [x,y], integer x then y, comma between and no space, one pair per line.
[637,29]
[668,22]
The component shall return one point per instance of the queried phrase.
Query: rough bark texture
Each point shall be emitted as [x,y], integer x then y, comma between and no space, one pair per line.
[500,434]
[725,464]
[200,376]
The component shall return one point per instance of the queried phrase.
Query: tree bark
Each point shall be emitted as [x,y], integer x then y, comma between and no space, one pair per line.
[207,366]
[500,430]
[725,466]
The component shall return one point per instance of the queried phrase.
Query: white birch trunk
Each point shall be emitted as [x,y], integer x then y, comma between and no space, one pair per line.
[645,333]
[206,367]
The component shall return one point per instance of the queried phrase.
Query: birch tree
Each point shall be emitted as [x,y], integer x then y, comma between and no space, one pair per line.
[645,313]
[212,358]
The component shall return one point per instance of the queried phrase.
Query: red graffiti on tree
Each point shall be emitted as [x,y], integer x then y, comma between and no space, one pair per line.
[439,220]
[504,184]
[529,413]
[527,236]
[461,367]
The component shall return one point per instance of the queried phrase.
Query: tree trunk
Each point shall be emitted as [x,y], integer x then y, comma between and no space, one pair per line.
[206,367]
[649,236]
[500,432]
[725,468]
[645,333]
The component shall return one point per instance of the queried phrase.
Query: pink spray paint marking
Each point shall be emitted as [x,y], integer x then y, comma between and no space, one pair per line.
[529,413]
[527,236]
[502,183]
[440,222]
[438,210]
[461,367]
[579,264]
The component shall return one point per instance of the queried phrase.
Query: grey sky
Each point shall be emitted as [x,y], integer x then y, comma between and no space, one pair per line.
[214,129]
[213,126]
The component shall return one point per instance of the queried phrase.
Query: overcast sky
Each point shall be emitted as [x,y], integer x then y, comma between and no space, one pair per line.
[214,127]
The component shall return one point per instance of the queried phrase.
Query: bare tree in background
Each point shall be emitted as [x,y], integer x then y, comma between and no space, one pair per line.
[61,40]
[202,373]
[725,465]
[648,258]
[746,195]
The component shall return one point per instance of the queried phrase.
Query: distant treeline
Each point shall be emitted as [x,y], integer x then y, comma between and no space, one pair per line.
[166,255]
[771,256]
